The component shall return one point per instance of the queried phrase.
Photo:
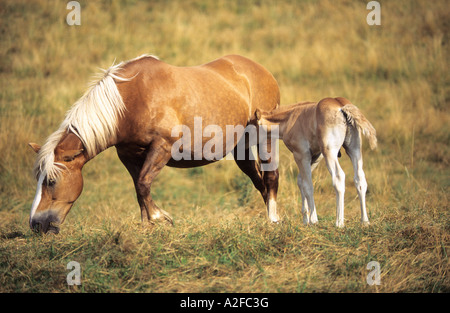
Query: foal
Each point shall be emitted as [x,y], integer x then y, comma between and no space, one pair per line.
[313,131]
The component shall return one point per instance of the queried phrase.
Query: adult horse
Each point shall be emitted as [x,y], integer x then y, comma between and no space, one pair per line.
[135,106]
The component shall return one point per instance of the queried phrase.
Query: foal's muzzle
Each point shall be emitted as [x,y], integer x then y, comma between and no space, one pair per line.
[45,223]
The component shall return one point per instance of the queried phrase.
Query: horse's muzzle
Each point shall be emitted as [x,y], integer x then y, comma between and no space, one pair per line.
[45,223]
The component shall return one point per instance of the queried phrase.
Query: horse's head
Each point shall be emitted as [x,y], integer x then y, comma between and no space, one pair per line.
[55,196]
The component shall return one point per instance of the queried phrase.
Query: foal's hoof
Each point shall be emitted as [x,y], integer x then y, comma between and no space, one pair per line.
[365,223]
[276,222]
[310,221]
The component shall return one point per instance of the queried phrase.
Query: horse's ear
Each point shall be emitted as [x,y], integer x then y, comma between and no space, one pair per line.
[70,155]
[35,146]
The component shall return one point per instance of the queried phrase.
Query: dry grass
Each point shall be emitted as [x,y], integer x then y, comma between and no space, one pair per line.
[397,73]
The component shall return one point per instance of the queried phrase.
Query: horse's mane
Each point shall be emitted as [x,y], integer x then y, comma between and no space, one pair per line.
[93,119]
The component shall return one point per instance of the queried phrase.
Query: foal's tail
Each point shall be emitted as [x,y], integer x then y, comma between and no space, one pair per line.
[355,118]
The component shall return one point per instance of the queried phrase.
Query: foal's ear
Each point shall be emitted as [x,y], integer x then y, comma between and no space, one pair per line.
[35,146]
[70,155]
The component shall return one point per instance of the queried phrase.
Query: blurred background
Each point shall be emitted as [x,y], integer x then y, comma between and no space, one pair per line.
[397,73]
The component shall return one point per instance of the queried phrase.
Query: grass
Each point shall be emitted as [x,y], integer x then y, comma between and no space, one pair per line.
[397,73]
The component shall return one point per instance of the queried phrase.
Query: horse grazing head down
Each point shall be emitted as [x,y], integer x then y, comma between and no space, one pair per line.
[135,106]
[58,186]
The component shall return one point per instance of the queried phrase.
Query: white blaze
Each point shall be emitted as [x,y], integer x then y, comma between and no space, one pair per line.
[37,197]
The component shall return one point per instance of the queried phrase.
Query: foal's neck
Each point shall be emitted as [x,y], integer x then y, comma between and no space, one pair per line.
[286,116]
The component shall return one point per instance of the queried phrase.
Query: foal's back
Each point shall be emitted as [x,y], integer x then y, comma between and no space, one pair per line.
[328,112]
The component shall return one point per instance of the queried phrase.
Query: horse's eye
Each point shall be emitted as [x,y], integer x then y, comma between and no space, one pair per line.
[51,182]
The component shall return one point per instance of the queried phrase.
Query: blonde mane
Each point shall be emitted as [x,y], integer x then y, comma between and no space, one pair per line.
[93,119]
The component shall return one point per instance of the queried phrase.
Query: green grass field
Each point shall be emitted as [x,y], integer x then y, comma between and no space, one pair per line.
[396,73]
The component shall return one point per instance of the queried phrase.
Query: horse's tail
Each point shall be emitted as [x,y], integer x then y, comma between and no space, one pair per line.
[355,118]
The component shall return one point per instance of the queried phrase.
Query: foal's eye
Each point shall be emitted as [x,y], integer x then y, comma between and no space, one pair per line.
[51,182]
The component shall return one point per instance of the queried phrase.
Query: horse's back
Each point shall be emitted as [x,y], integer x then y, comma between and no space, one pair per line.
[248,78]
[265,93]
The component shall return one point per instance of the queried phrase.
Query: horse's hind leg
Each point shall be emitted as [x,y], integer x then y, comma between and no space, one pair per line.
[353,149]
[266,182]
[268,150]
[251,168]
[271,181]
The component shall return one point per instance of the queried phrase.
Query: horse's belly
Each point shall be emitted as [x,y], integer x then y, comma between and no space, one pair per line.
[188,163]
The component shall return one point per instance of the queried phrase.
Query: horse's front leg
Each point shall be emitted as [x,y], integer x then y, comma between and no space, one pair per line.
[158,154]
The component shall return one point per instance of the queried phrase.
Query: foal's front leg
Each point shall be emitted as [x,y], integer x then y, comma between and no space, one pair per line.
[304,182]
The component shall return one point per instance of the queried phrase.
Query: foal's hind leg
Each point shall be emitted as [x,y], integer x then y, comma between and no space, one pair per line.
[314,164]
[338,178]
[353,149]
